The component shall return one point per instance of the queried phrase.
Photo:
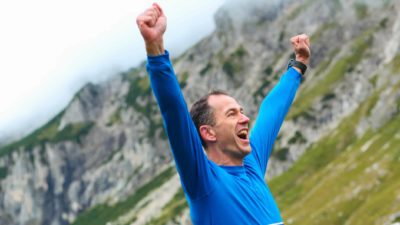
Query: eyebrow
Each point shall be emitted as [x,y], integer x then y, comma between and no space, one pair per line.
[233,109]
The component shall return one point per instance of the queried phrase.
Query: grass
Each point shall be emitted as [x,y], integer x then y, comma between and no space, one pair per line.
[337,71]
[42,134]
[317,156]
[374,98]
[326,63]
[373,81]
[361,10]
[49,133]
[103,213]
[396,64]
[332,189]
[73,132]
[318,33]
[172,209]
[140,89]
[115,118]
[341,179]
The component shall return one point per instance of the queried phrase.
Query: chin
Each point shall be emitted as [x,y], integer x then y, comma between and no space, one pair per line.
[246,150]
[243,146]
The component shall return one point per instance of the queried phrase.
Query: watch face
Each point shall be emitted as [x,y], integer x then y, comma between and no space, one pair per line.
[290,63]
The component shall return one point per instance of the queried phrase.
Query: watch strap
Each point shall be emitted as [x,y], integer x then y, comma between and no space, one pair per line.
[297,64]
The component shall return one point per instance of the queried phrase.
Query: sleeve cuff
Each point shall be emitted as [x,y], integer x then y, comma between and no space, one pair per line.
[151,59]
[295,73]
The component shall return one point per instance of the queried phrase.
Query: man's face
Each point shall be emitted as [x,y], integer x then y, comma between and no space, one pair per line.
[231,126]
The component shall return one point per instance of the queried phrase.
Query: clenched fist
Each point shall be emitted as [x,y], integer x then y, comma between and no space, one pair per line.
[152,24]
[301,47]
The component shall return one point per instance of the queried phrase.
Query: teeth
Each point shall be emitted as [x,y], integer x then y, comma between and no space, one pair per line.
[242,132]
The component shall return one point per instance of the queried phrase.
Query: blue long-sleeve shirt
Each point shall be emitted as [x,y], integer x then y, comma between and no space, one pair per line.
[222,195]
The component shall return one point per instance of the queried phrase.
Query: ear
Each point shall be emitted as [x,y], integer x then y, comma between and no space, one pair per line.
[207,133]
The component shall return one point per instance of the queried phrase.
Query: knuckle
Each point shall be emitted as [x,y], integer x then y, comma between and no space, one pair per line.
[139,20]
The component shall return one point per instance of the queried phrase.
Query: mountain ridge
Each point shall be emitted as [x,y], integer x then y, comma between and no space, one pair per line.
[106,152]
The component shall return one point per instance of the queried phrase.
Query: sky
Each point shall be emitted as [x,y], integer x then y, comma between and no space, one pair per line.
[50,49]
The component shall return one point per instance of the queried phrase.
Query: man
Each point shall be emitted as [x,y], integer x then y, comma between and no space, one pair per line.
[227,186]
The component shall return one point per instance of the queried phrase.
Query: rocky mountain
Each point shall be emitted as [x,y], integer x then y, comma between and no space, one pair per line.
[105,158]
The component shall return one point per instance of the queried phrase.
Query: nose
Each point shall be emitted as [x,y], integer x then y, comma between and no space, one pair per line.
[243,118]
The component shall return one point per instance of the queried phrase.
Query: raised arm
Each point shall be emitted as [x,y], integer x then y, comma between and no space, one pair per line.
[152,24]
[191,162]
[276,105]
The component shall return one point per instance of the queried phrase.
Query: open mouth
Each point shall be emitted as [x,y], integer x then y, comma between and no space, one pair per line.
[243,134]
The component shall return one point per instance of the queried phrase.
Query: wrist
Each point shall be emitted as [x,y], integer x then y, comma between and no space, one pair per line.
[298,70]
[155,48]
[302,59]
[298,66]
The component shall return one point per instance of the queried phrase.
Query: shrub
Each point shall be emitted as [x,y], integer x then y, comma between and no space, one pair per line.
[3,172]
[281,154]
[206,69]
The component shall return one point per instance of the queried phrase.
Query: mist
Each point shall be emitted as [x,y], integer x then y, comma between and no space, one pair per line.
[49,50]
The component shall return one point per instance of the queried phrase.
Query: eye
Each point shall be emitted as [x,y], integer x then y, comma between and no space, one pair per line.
[230,113]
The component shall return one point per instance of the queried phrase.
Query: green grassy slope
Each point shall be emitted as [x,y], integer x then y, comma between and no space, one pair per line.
[171,210]
[104,213]
[334,74]
[49,133]
[343,179]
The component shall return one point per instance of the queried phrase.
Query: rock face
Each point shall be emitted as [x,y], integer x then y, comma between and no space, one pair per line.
[107,149]
[96,151]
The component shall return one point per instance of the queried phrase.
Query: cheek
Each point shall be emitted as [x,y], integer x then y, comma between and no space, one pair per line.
[225,135]
[226,131]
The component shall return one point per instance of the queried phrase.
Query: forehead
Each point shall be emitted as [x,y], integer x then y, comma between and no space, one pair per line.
[222,103]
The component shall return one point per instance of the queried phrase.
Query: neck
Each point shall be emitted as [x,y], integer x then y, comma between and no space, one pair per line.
[223,158]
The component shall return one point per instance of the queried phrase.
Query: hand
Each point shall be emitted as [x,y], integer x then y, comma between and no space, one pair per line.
[301,47]
[152,24]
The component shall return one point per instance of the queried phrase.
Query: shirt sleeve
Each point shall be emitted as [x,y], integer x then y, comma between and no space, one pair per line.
[270,117]
[191,161]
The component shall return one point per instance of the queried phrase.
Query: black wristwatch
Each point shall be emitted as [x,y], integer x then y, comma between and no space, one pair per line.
[297,64]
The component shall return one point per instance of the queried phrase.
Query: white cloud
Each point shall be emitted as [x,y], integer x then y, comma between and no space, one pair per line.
[49,49]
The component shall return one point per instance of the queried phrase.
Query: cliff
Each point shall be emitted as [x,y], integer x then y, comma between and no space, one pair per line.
[105,158]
